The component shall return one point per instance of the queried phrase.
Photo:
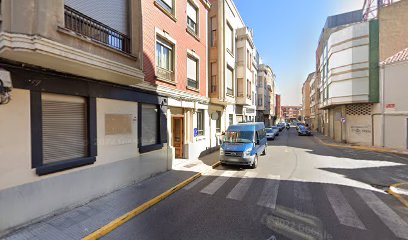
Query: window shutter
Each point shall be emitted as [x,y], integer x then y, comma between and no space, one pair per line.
[229,78]
[192,12]
[149,124]
[213,23]
[113,13]
[64,125]
[169,3]
[191,69]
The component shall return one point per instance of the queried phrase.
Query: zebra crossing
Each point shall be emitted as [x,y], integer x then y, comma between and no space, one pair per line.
[344,210]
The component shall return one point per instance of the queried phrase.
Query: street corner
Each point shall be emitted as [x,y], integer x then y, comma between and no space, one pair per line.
[400,191]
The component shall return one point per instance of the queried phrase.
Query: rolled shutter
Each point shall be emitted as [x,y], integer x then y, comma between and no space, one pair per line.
[191,68]
[113,13]
[169,3]
[64,127]
[192,12]
[229,78]
[149,124]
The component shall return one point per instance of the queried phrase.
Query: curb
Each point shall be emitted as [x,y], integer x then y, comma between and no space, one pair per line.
[396,192]
[138,210]
[361,148]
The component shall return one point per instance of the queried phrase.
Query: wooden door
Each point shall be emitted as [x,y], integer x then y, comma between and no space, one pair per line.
[178,136]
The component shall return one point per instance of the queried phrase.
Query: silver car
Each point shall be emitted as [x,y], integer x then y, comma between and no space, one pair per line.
[270,133]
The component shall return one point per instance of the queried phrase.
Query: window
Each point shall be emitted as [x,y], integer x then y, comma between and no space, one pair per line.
[200,122]
[249,89]
[64,127]
[249,60]
[192,72]
[218,123]
[231,119]
[229,38]
[192,17]
[213,77]
[167,5]
[164,59]
[213,32]
[149,124]
[164,55]
[230,81]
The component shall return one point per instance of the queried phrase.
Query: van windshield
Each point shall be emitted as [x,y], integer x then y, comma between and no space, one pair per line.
[239,137]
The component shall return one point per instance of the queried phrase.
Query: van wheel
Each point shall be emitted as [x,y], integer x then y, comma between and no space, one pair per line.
[255,164]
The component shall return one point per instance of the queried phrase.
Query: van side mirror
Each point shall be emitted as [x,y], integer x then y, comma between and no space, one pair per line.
[257,142]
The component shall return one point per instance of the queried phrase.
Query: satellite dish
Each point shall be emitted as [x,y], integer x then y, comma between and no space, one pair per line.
[214,116]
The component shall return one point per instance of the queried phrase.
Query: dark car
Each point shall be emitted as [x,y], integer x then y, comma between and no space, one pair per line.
[304,131]
[281,126]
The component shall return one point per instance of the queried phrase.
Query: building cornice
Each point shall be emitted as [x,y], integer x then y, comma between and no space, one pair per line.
[43,52]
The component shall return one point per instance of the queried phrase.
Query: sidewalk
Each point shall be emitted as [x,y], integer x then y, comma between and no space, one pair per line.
[400,191]
[81,221]
[330,142]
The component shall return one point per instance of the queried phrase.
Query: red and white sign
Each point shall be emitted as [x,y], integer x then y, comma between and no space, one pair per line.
[390,106]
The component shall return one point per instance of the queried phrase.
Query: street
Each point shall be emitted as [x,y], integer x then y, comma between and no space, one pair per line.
[300,190]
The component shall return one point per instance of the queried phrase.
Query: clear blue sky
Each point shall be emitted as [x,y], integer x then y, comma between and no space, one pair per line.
[286,35]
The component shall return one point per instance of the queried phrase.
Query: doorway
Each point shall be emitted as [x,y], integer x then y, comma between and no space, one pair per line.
[178,136]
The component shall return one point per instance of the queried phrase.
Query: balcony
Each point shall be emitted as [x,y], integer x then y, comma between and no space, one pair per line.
[72,43]
[165,75]
[97,31]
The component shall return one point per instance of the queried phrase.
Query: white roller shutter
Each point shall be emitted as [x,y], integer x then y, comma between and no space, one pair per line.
[169,3]
[64,127]
[192,12]
[229,78]
[192,68]
[113,13]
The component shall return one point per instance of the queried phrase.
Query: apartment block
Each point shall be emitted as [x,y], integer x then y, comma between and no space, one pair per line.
[76,126]
[348,77]
[266,95]
[175,65]
[306,99]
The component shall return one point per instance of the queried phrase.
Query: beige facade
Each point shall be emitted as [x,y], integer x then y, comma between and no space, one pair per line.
[393,24]
[306,99]
[43,38]
[266,101]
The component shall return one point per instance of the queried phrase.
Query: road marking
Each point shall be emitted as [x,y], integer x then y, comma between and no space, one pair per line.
[191,185]
[239,191]
[270,192]
[303,198]
[218,182]
[394,222]
[344,212]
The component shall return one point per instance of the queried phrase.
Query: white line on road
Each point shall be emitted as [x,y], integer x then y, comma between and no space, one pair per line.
[197,181]
[394,222]
[344,212]
[218,182]
[239,191]
[270,192]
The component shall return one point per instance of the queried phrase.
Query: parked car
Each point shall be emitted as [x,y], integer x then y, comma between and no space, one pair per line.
[281,126]
[276,129]
[304,131]
[299,124]
[270,133]
[243,143]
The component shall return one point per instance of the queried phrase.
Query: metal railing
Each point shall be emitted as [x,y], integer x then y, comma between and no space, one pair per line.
[84,25]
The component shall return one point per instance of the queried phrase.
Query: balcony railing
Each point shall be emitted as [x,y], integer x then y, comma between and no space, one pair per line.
[230,92]
[89,27]
[165,74]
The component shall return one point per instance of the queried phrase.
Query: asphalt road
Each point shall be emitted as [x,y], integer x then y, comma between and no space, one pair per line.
[300,190]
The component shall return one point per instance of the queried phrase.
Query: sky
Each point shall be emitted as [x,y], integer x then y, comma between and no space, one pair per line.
[286,34]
